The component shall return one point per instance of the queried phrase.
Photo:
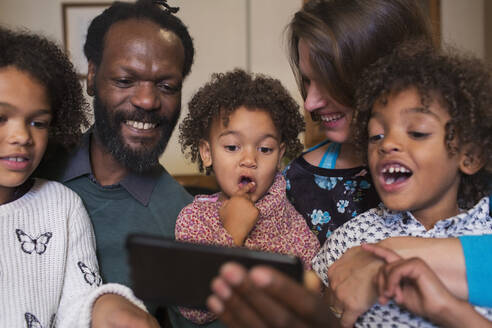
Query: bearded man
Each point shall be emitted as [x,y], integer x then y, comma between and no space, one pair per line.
[138,55]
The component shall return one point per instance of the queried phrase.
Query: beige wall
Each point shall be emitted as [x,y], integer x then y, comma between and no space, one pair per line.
[463,24]
[488,31]
[225,38]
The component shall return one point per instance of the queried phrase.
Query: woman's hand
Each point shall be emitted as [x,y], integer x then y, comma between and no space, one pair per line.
[352,284]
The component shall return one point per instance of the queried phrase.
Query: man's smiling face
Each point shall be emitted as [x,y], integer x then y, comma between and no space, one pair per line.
[137,92]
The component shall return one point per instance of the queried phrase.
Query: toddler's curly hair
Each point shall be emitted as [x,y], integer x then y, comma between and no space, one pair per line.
[460,83]
[47,63]
[225,93]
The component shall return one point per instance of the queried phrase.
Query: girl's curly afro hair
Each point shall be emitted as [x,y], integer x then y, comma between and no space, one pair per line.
[225,93]
[48,64]
[461,84]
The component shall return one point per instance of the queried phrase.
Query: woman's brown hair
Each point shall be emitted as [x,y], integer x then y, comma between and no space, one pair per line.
[346,36]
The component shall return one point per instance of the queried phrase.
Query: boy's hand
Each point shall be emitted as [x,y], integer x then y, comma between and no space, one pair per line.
[238,214]
[115,311]
[412,284]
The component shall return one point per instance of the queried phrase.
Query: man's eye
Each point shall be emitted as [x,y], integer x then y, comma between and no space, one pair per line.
[376,137]
[168,88]
[265,150]
[418,135]
[231,147]
[124,83]
[3,119]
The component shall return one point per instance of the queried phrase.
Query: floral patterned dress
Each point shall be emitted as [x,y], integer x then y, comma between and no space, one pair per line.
[327,198]
[279,229]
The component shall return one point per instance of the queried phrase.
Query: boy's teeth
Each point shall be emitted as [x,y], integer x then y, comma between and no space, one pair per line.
[141,125]
[396,169]
[389,180]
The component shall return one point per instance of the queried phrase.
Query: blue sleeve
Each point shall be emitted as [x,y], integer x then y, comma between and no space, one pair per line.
[478,261]
[490,193]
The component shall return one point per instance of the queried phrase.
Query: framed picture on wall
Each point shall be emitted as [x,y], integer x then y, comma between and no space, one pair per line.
[76,18]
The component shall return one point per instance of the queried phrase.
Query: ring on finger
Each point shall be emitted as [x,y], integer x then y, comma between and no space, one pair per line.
[336,312]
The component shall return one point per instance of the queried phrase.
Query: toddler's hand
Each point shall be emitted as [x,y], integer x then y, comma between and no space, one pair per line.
[239,214]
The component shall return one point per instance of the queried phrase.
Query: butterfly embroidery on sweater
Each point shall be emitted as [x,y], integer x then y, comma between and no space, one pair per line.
[33,322]
[29,244]
[91,277]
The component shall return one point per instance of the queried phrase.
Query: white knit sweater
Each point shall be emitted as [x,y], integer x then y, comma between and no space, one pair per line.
[48,267]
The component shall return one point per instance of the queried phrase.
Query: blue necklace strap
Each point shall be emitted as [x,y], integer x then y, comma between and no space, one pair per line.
[321,144]
[330,156]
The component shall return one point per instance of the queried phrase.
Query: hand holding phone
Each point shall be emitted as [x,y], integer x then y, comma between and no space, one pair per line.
[171,272]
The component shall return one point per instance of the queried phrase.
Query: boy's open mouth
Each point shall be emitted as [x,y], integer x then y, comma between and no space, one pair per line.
[395,173]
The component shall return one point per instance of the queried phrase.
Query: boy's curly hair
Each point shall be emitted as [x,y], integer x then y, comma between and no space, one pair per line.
[225,93]
[48,64]
[461,84]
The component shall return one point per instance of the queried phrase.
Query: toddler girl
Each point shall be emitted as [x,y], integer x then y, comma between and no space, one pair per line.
[49,271]
[240,126]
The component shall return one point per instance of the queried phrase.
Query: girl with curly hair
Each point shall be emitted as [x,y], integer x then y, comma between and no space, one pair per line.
[239,127]
[49,266]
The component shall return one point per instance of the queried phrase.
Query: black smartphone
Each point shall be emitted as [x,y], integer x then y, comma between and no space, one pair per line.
[171,272]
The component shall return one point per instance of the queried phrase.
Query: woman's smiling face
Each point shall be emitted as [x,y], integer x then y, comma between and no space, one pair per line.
[335,118]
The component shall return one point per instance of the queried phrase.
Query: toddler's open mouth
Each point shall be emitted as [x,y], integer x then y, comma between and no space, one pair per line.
[244,180]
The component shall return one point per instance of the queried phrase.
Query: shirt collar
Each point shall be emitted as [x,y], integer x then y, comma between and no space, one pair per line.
[139,185]
[478,212]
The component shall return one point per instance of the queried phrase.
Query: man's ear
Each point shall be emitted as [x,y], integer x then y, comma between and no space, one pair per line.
[282,153]
[91,76]
[471,160]
[205,153]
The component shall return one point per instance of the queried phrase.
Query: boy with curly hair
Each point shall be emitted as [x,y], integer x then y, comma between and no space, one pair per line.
[424,120]
[239,127]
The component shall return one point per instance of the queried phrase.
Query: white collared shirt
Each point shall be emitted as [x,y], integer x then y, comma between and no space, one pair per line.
[381,223]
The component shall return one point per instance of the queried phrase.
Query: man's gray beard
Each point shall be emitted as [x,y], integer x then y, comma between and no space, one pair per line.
[108,130]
